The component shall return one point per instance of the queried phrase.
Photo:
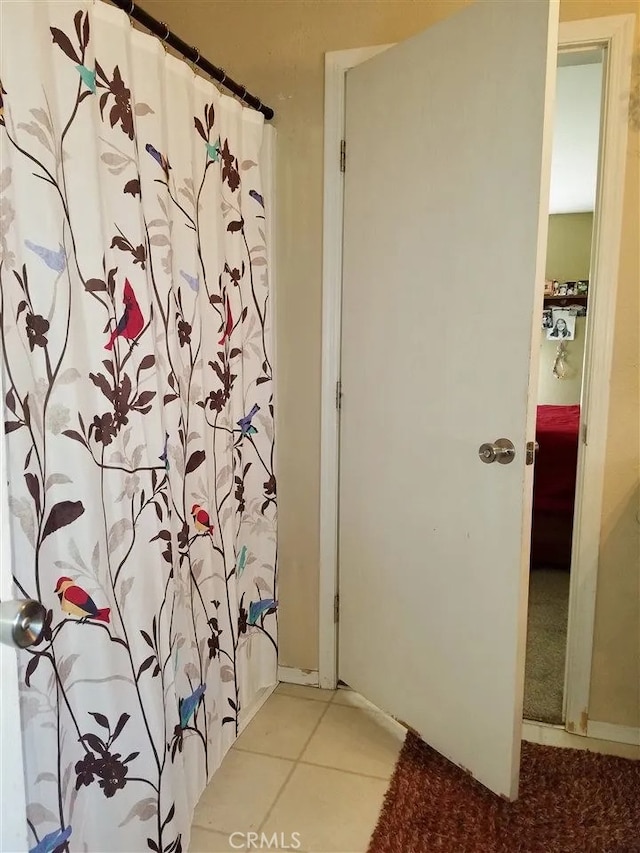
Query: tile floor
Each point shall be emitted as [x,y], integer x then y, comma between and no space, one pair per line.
[313,762]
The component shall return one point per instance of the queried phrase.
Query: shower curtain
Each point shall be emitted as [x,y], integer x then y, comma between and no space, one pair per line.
[139,422]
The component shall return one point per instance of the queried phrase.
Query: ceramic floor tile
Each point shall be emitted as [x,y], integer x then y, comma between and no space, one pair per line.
[241,793]
[282,727]
[300,691]
[332,811]
[356,739]
[206,841]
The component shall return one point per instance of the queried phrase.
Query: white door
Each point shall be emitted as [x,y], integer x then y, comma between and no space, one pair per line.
[446,202]
[13,825]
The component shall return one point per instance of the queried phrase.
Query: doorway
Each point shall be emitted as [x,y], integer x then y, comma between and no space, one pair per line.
[564,331]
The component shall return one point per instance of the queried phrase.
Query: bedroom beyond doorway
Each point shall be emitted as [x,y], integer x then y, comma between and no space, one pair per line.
[565,324]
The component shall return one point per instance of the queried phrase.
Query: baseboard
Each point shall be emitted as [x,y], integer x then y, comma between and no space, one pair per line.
[614,732]
[247,714]
[293,675]
[550,735]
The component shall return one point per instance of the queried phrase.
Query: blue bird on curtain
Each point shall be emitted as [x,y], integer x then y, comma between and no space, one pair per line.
[188,706]
[246,427]
[52,841]
[159,158]
[261,608]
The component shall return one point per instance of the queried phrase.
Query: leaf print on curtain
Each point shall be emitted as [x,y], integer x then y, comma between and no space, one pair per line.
[139,422]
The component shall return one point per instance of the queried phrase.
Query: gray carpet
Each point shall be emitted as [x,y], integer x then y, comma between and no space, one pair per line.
[546,644]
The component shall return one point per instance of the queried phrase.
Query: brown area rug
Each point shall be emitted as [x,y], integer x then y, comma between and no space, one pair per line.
[571,801]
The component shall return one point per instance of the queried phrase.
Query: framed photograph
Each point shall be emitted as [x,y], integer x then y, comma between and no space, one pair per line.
[547,319]
[563,326]
[562,289]
[548,287]
[583,287]
[572,288]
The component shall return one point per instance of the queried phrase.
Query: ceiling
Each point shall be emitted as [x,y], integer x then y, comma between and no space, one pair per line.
[575,138]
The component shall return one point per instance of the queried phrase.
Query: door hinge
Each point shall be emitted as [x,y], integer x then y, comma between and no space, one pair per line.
[336,608]
[343,155]
[584,433]
[338,395]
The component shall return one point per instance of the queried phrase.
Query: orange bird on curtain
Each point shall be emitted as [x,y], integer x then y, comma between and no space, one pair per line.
[75,601]
[131,323]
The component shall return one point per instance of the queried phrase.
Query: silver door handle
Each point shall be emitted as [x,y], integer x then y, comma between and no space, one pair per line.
[502,451]
[21,622]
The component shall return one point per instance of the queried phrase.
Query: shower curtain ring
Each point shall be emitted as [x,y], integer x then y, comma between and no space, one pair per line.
[224,76]
[131,8]
[167,34]
[197,59]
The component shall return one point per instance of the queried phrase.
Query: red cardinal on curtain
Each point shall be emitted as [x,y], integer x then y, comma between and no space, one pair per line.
[131,323]
[228,327]
[75,601]
[201,519]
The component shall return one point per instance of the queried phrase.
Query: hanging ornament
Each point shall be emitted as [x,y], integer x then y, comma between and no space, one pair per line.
[560,367]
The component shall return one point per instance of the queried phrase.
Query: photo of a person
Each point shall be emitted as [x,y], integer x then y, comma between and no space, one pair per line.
[563,326]
[560,329]
[547,319]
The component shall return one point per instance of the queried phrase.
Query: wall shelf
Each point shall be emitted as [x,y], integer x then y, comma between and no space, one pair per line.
[561,301]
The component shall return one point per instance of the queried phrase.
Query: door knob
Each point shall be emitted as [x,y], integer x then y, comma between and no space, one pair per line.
[501,451]
[21,622]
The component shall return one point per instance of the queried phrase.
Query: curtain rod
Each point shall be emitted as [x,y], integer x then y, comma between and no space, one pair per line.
[163,32]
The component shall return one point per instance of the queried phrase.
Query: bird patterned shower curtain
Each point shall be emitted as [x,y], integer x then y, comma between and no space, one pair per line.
[138,416]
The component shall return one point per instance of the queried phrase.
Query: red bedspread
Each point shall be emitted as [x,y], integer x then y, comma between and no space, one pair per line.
[556,460]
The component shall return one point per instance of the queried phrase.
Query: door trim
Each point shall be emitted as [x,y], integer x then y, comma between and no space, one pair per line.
[605,738]
[337,64]
[294,675]
[615,33]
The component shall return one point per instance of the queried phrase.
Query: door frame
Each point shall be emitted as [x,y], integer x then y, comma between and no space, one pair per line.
[615,34]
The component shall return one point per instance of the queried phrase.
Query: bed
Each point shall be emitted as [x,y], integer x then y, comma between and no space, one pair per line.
[554,485]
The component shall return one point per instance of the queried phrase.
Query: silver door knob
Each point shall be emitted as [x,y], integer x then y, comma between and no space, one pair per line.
[21,622]
[501,451]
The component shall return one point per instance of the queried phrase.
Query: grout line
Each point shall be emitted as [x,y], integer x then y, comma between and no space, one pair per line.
[303,698]
[277,797]
[335,694]
[295,764]
[255,751]
[386,779]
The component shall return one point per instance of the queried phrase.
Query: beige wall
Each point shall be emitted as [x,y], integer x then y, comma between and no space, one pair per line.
[276,47]
[569,246]
[568,259]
